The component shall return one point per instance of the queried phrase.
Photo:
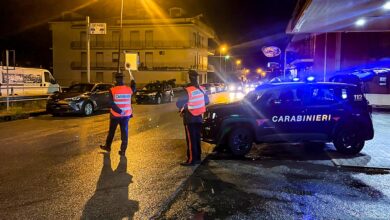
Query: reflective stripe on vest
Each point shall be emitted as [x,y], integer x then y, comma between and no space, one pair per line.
[196,103]
[122,98]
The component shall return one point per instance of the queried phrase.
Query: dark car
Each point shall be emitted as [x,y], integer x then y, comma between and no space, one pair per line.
[156,93]
[82,98]
[292,112]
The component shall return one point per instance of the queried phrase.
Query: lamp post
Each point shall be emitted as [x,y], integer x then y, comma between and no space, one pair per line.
[222,49]
[120,38]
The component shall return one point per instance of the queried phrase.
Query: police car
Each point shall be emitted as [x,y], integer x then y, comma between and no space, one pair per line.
[292,112]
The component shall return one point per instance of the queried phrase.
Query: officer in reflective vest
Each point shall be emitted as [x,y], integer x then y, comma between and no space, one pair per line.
[192,106]
[120,112]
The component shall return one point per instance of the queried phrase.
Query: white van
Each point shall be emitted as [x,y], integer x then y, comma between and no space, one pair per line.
[27,82]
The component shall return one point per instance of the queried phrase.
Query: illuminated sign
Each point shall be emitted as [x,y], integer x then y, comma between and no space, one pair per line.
[271,51]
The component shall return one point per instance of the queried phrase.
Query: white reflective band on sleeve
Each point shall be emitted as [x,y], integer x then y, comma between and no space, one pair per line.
[121,103]
[197,99]
[125,109]
[196,106]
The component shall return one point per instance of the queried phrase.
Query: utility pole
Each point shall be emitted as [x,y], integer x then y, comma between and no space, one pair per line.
[88,51]
[120,39]
[7,64]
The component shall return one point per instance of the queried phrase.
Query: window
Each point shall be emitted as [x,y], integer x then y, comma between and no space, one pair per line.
[99,76]
[149,59]
[134,39]
[84,77]
[47,77]
[99,59]
[115,37]
[322,96]
[149,38]
[83,59]
[161,52]
[115,56]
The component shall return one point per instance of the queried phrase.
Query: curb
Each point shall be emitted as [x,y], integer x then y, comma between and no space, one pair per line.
[13,117]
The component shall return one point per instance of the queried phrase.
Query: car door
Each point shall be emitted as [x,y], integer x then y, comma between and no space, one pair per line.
[325,108]
[98,95]
[106,95]
[283,109]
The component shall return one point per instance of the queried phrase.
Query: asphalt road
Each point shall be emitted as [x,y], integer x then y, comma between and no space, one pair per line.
[282,181]
[51,167]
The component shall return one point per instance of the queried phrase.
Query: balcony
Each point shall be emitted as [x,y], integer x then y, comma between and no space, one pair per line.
[156,66]
[135,45]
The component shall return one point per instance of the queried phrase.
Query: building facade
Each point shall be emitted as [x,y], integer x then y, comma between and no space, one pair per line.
[167,48]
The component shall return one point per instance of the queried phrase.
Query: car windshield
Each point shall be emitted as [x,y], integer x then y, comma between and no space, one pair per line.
[81,88]
[253,96]
[152,87]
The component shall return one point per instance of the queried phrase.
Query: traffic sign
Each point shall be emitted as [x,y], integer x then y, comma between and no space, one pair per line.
[97,28]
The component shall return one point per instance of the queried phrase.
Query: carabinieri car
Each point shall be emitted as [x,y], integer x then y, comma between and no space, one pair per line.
[292,112]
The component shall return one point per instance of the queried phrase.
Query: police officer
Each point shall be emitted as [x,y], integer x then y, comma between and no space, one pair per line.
[192,105]
[120,112]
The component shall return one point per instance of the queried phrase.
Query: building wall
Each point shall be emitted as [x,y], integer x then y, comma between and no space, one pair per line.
[174,49]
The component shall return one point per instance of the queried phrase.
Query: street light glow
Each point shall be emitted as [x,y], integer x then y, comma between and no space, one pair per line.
[223,48]
[259,70]
[227,57]
[238,62]
[360,22]
[386,6]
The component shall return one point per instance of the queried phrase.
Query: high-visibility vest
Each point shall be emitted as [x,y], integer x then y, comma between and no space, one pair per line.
[196,103]
[122,98]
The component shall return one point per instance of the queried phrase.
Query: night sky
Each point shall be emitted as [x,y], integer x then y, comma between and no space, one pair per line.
[246,26]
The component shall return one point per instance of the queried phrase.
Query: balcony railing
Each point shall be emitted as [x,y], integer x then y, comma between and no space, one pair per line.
[156,66]
[134,45]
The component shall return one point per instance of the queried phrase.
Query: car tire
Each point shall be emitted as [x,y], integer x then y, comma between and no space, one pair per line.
[240,141]
[88,109]
[158,100]
[348,142]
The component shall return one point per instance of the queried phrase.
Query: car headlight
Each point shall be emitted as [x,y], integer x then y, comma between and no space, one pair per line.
[73,98]
[239,88]
[232,88]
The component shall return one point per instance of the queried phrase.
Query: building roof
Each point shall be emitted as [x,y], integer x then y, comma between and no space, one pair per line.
[320,16]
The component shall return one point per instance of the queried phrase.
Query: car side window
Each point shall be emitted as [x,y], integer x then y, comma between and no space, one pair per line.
[323,96]
[99,88]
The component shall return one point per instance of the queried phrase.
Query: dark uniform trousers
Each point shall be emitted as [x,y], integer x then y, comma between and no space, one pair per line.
[194,150]
[124,125]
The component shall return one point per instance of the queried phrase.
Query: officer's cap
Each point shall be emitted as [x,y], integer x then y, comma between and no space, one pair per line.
[119,75]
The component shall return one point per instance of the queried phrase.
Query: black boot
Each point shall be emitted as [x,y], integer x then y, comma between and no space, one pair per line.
[104,147]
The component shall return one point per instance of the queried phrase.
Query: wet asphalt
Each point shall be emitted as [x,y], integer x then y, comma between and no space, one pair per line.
[52,168]
[286,181]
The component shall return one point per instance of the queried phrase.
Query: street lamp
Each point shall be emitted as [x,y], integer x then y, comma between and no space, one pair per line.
[227,57]
[222,50]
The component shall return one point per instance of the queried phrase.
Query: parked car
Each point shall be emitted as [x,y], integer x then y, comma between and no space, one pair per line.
[292,112]
[156,93]
[82,98]
[27,82]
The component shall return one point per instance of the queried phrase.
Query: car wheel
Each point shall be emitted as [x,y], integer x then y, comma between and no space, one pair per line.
[158,100]
[348,142]
[240,141]
[88,109]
